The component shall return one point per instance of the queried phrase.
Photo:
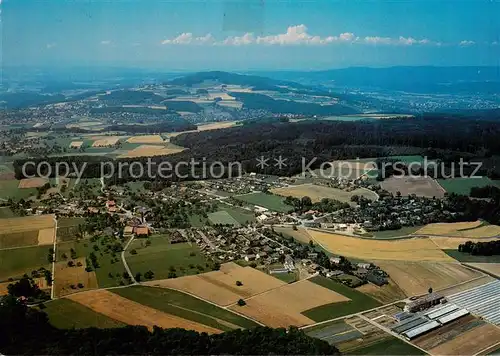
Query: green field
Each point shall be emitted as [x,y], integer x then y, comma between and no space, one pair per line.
[388,234]
[241,215]
[465,257]
[67,228]
[390,346]
[9,189]
[17,261]
[66,314]
[358,302]
[268,201]
[6,213]
[463,185]
[185,306]
[198,220]
[83,249]
[286,277]
[164,258]
[19,239]
[222,217]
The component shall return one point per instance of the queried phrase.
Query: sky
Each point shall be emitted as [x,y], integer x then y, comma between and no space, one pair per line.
[249,34]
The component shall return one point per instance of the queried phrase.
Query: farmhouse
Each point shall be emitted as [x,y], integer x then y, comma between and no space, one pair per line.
[424,302]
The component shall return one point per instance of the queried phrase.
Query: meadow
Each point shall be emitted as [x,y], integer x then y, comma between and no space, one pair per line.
[318,192]
[18,261]
[463,185]
[268,201]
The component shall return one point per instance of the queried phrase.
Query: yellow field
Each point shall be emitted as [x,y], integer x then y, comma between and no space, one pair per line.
[32,183]
[150,151]
[46,236]
[76,144]
[146,139]
[385,294]
[318,192]
[418,249]
[3,288]
[300,234]
[452,229]
[451,243]
[104,141]
[220,286]
[65,276]
[216,125]
[491,268]
[26,223]
[132,313]
[415,278]
[282,306]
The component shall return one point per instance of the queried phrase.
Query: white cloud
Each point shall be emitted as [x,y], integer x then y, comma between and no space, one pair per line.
[495,43]
[105,42]
[50,45]
[297,35]
[465,43]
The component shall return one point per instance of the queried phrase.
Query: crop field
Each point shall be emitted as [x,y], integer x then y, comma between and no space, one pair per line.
[490,268]
[18,261]
[282,306]
[318,192]
[387,346]
[222,217]
[220,287]
[465,336]
[76,144]
[420,186]
[216,125]
[417,249]
[358,301]
[132,313]
[67,228]
[32,183]
[66,279]
[152,150]
[335,333]
[268,201]
[390,234]
[162,258]
[26,231]
[463,185]
[6,213]
[185,306]
[415,278]
[106,141]
[66,314]
[241,215]
[449,229]
[9,188]
[300,234]
[385,294]
[146,139]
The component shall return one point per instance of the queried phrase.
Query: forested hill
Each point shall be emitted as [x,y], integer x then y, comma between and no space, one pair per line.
[27,331]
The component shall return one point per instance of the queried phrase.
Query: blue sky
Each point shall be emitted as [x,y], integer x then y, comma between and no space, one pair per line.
[250,34]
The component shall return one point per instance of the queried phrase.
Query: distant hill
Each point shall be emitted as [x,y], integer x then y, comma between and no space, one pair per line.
[423,79]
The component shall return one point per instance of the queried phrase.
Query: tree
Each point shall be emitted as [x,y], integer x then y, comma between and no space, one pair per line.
[138,276]
[430,290]
[149,274]
[239,283]
[241,302]
[133,252]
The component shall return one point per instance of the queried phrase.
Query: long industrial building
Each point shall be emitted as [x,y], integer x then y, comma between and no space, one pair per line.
[483,301]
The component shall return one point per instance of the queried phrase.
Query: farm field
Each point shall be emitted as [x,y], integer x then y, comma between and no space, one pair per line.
[220,287]
[76,144]
[283,306]
[164,258]
[358,301]
[66,278]
[418,249]
[466,336]
[105,141]
[18,261]
[348,169]
[387,346]
[452,243]
[9,188]
[65,314]
[268,201]
[490,268]
[222,217]
[451,229]
[152,150]
[467,285]
[6,213]
[420,186]
[132,313]
[241,215]
[385,294]
[415,278]
[318,192]
[463,185]
[300,234]
[109,274]
[185,306]
[389,234]
[146,139]
[67,228]
[27,231]
[32,183]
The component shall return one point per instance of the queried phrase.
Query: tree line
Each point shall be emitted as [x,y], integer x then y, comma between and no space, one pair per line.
[488,248]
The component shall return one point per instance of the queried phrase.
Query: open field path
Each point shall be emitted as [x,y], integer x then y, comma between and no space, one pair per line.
[124,260]
[54,256]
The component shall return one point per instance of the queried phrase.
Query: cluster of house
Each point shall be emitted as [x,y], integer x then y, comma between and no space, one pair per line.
[242,185]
